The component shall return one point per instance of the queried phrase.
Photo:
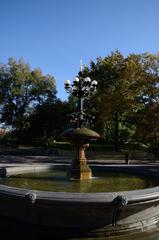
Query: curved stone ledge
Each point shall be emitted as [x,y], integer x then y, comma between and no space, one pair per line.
[97,213]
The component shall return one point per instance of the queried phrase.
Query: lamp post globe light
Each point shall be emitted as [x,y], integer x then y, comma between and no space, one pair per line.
[80,88]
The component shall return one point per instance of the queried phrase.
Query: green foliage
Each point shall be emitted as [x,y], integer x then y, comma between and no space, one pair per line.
[46,123]
[21,89]
[115,97]
[125,106]
[148,127]
[127,88]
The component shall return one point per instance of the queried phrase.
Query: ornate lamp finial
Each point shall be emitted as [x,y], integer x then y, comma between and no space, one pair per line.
[81,66]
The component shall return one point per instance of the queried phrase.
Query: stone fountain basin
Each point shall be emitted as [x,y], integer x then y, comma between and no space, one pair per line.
[94,213]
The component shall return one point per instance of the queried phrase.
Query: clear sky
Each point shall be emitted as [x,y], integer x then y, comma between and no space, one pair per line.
[55,34]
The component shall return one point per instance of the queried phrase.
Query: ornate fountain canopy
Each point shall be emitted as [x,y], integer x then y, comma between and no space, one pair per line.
[83,134]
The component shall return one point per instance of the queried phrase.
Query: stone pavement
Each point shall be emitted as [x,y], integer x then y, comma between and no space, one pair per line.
[32,159]
[29,159]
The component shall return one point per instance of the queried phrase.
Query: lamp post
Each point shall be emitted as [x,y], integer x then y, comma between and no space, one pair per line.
[80,88]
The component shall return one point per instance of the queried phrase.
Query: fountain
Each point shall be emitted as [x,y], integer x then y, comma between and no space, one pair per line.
[80,136]
[83,213]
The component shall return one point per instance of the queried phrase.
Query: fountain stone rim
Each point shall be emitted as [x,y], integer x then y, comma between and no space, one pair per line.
[107,197]
[85,211]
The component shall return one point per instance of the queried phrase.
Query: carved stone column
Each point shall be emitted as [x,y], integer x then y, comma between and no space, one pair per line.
[79,168]
[79,138]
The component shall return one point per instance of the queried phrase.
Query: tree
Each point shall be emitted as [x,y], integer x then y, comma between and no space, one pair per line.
[117,93]
[149,84]
[21,89]
[47,122]
[147,128]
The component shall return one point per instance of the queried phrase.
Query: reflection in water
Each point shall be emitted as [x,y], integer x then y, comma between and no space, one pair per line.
[57,181]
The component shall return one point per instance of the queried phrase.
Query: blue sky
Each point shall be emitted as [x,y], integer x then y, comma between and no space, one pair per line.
[55,34]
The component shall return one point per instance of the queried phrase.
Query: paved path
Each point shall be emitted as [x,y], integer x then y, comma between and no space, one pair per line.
[32,159]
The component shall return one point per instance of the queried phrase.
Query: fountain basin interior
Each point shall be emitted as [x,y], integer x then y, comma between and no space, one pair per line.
[90,213]
[55,179]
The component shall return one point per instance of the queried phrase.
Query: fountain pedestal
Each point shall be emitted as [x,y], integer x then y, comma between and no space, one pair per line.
[79,138]
[79,168]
